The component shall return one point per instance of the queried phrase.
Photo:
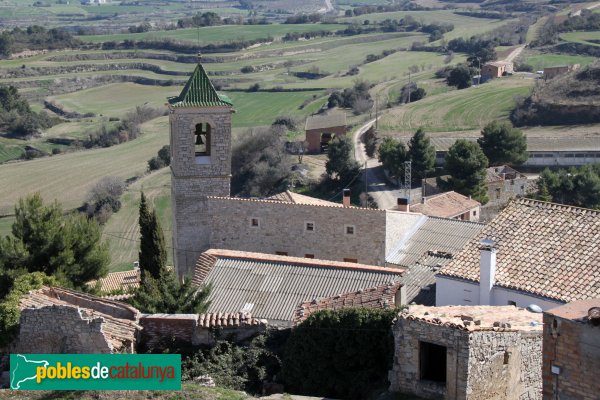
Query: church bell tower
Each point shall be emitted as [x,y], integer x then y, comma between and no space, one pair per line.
[200,124]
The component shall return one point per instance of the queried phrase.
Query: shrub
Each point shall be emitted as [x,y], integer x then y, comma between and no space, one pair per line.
[254,88]
[342,353]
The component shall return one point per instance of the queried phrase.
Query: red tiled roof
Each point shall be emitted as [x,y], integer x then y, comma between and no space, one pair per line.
[123,280]
[382,296]
[212,320]
[445,205]
[545,249]
[477,318]
[575,311]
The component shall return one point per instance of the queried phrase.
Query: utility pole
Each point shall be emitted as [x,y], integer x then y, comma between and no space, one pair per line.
[366,187]
[376,110]
[407,178]
[479,64]
[409,87]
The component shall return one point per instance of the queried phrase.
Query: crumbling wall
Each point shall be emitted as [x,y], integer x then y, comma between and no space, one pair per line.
[188,328]
[60,329]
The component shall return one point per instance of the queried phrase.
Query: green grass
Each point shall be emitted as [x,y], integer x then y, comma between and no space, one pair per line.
[582,37]
[117,99]
[458,110]
[69,177]
[261,108]
[539,61]
[217,34]
[122,229]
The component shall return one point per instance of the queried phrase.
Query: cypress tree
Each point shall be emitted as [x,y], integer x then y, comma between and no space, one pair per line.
[422,155]
[153,253]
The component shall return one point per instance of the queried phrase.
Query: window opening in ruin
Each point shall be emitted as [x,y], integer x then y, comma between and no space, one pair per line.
[254,222]
[349,229]
[281,253]
[506,357]
[202,139]
[432,362]
[512,303]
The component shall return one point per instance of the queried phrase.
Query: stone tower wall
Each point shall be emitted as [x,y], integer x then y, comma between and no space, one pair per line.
[192,182]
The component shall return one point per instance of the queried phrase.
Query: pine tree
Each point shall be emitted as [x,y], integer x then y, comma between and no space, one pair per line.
[392,155]
[422,155]
[466,164]
[153,253]
[503,144]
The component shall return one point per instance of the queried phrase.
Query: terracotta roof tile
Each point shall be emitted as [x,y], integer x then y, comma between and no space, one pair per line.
[123,280]
[546,249]
[325,121]
[382,296]
[297,198]
[575,311]
[212,320]
[477,318]
[445,205]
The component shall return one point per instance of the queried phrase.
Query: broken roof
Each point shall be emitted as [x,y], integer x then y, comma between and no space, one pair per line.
[545,249]
[325,121]
[445,205]
[576,311]
[382,296]
[272,286]
[477,318]
[123,280]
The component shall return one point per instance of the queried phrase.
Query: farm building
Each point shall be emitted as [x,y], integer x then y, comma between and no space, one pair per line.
[468,353]
[495,69]
[543,152]
[552,72]
[321,129]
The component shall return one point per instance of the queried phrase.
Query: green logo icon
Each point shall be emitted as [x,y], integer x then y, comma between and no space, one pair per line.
[95,371]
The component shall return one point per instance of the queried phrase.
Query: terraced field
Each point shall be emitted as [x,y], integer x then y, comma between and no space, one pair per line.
[458,110]
[586,37]
[539,61]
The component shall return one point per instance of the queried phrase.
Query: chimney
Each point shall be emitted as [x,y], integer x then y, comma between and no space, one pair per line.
[403,204]
[346,200]
[423,200]
[487,271]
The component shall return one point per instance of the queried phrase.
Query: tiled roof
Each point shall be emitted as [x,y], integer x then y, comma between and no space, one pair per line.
[545,249]
[445,205]
[325,121]
[272,286]
[300,204]
[297,198]
[575,311]
[382,296]
[199,92]
[212,320]
[123,280]
[432,246]
[477,318]
[569,143]
[117,330]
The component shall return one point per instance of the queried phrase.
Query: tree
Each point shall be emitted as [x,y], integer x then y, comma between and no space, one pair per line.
[153,253]
[259,163]
[460,76]
[466,164]
[340,162]
[422,155]
[392,155]
[70,248]
[503,144]
[574,186]
[166,294]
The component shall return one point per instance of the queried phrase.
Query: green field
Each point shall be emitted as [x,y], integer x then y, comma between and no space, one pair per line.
[68,177]
[122,229]
[457,110]
[589,38]
[217,34]
[540,61]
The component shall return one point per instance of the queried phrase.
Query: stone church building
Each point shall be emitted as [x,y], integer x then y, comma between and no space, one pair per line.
[206,217]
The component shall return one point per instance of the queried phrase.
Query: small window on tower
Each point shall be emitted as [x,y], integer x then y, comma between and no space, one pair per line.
[202,140]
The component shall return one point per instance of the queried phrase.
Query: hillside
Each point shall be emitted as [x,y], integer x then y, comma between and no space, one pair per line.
[573,98]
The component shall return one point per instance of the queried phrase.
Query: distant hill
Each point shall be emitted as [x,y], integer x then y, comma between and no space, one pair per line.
[569,99]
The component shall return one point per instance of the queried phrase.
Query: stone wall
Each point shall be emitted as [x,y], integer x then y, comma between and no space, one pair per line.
[60,329]
[108,307]
[188,328]
[282,228]
[574,347]
[480,365]
[313,137]
[193,179]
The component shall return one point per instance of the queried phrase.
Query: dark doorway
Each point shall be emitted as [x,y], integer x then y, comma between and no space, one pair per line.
[432,362]
[325,139]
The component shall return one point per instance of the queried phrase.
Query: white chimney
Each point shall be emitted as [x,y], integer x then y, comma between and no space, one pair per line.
[403,204]
[487,271]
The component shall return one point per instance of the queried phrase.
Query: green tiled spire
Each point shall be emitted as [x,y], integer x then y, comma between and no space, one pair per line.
[199,92]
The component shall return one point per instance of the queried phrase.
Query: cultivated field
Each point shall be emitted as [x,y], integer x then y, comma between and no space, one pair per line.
[457,110]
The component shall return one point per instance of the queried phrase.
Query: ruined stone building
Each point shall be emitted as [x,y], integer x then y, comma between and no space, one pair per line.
[533,252]
[572,351]
[321,129]
[468,353]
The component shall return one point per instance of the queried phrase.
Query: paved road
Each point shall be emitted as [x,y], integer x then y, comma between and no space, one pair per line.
[385,195]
